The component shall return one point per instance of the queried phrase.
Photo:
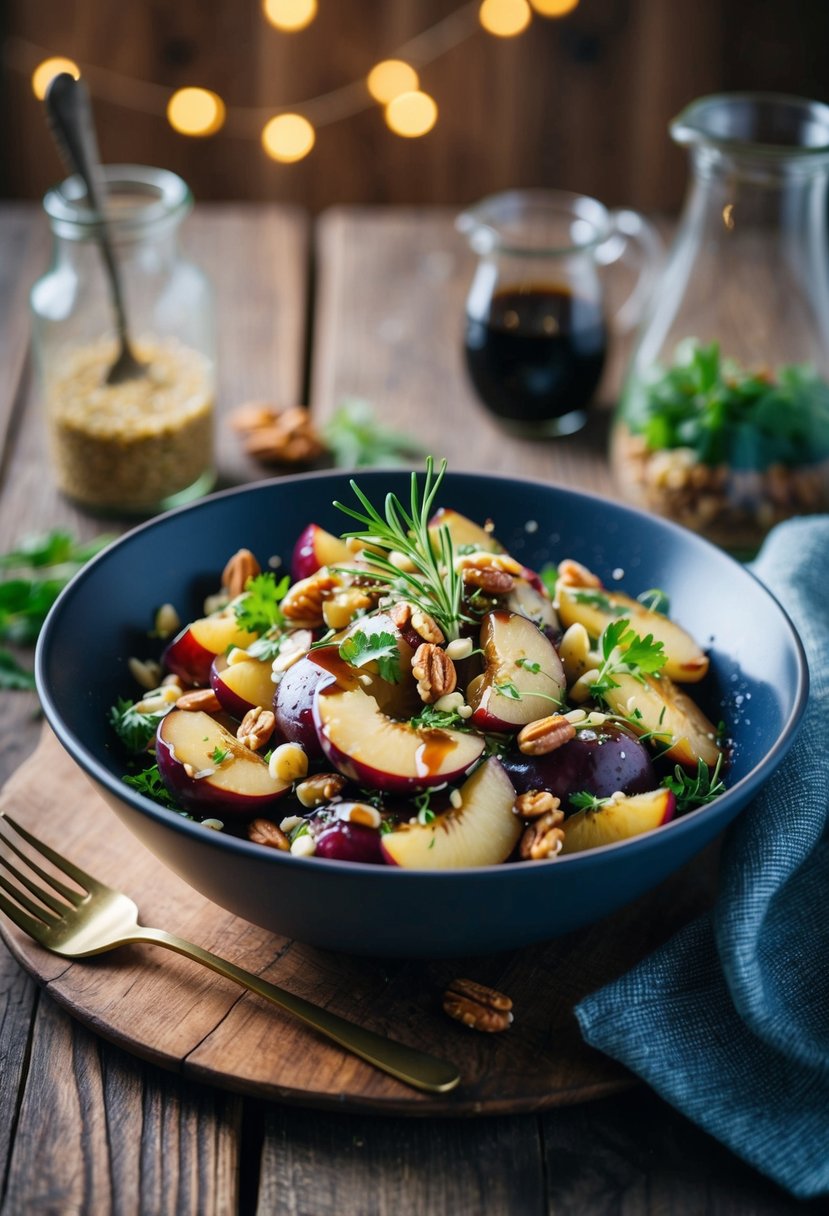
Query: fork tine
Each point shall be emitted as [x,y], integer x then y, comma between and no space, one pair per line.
[73,897]
[74,872]
[36,909]
[46,897]
[28,924]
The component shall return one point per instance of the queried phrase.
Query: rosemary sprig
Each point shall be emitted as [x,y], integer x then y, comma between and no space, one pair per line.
[434,585]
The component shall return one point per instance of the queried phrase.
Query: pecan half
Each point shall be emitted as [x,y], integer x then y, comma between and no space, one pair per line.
[200,698]
[256,727]
[545,735]
[277,436]
[426,627]
[543,838]
[242,566]
[574,574]
[534,803]
[434,671]
[263,831]
[477,1006]
[488,579]
[401,613]
[319,789]
[304,600]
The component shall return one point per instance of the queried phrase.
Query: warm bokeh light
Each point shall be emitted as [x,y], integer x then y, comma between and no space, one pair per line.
[290,15]
[45,73]
[411,114]
[554,8]
[288,137]
[195,112]
[390,78]
[505,18]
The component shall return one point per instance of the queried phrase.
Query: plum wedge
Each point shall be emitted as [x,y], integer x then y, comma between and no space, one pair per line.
[208,771]
[482,831]
[191,653]
[675,725]
[523,678]
[617,820]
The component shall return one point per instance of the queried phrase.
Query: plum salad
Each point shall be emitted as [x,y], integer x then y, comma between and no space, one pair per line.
[412,695]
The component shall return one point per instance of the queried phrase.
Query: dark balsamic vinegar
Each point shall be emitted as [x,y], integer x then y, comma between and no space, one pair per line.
[537,355]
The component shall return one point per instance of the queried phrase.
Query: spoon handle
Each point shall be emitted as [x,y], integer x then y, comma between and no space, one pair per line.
[70,116]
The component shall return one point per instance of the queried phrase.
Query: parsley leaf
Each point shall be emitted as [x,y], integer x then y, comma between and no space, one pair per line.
[258,610]
[528,665]
[219,754]
[695,789]
[431,718]
[360,648]
[150,783]
[624,652]
[135,730]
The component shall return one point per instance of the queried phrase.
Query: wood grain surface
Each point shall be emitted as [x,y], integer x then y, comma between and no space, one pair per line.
[86,1127]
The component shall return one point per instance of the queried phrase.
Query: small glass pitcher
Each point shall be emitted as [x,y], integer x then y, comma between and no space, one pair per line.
[146,444]
[723,423]
[536,327]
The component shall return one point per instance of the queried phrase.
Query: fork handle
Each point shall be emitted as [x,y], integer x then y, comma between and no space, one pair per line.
[406,1063]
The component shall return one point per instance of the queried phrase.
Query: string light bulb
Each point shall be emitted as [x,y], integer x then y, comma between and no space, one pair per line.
[411,114]
[554,8]
[505,18]
[290,15]
[45,73]
[390,78]
[194,111]
[288,138]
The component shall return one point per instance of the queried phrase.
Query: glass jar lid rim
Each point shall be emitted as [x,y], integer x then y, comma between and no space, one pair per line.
[165,194]
[687,127]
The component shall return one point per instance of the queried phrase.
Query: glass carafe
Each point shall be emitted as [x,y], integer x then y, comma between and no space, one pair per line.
[723,423]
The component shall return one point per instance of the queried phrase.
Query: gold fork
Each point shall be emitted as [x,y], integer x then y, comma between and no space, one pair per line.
[77,924]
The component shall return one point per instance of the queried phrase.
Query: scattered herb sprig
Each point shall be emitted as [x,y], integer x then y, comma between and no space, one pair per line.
[149,783]
[434,585]
[135,730]
[258,610]
[360,648]
[692,790]
[356,439]
[624,652]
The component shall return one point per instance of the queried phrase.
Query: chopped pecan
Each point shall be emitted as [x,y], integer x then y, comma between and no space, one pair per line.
[534,803]
[426,627]
[477,1006]
[200,698]
[263,831]
[545,735]
[279,436]
[574,574]
[303,602]
[543,837]
[242,566]
[256,727]
[434,671]
[319,789]
[401,613]
[488,579]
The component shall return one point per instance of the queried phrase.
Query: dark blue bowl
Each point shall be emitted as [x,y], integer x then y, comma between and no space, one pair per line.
[758,684]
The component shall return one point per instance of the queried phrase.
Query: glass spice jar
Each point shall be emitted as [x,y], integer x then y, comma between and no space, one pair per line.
[146,444]
[723,422]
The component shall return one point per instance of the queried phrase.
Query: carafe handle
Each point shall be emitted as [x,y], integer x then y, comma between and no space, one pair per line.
[635,241]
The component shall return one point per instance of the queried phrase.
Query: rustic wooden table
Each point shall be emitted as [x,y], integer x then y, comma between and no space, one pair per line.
[367,303]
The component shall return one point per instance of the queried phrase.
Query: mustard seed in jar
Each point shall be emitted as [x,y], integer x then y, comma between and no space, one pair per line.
[137,444]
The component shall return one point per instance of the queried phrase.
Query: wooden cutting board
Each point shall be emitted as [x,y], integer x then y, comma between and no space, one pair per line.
[181,1016]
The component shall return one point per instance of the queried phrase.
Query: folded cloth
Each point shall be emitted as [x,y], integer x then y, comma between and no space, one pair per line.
[729,1021]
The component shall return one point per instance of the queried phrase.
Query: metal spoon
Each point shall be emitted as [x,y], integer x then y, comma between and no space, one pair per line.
[70,118]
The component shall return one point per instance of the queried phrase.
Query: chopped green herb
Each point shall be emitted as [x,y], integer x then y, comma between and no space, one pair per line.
[508,689]
[624,652]
[426,816]
[149,783]
[360,648]
[532,667]
[597,599]
[268,646]
[258,610]
[386,826]
[585,801]
[219,754]
[438,719]
[135,730]
[695,789]
[655,601]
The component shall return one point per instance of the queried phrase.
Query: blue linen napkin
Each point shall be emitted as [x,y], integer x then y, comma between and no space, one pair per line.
[729,1022]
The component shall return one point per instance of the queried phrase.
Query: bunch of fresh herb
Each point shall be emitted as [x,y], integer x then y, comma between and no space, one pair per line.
[728,415]
[356,439]
[40,567]
[434,585]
